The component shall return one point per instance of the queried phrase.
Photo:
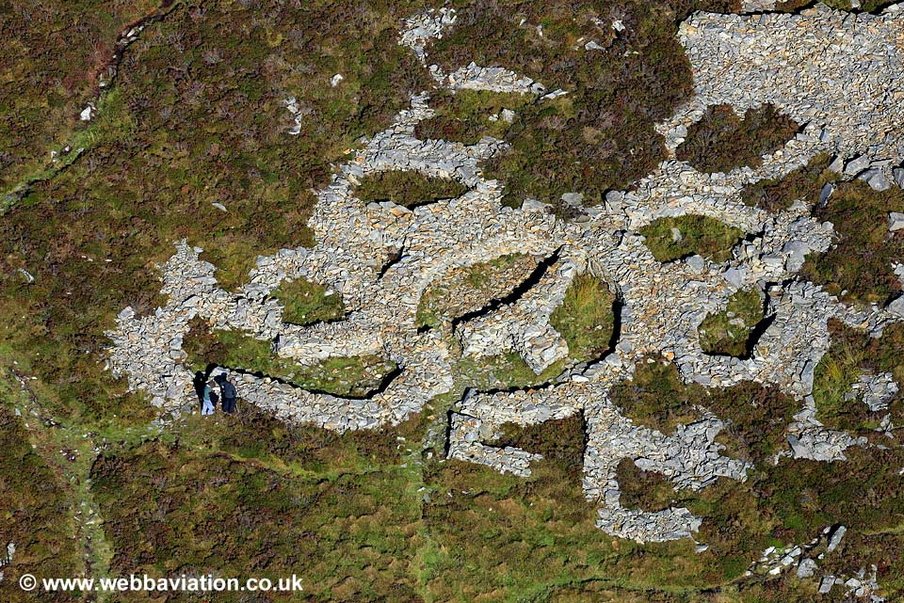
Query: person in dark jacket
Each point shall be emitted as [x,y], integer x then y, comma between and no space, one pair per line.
[228,392]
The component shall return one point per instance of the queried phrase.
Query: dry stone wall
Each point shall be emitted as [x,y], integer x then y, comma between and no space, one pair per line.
[741,60]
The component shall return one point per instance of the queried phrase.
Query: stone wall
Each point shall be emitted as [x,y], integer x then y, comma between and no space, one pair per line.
[740,60]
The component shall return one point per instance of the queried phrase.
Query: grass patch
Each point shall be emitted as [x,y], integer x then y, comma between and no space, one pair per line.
[586,318]
[655,397]
[520,538]
[791,6]
[672,238]
[306,303]
[353,376]
[51,62]
[209,512]
[466,116]
[721,141]
[852,353]
[408,189]
[755,416]
[504,371]
[600,136]
[728,333]
[195,116]
[858,268]
[644,490]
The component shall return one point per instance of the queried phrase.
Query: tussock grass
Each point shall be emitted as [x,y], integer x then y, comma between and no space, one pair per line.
[307,303]
[465,115]
[351,376]
[858,268]
[728,332]
[697,234]
[408,189]
[585,319]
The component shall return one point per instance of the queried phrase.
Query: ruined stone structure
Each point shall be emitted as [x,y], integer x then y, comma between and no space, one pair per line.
[381,258]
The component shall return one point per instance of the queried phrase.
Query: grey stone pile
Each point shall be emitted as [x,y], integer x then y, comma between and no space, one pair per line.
[806,558]
[876,391]
[834,71]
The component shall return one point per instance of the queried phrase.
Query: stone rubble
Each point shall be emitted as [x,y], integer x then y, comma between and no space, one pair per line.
[876,391]
[494,79]
[757,6]
[860,587]
[835,71]
[420,29]
[524,326]
[805,559]
[895,221]
[291,105]
[381,258]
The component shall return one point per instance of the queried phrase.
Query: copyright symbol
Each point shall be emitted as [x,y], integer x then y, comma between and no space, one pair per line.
[27,582]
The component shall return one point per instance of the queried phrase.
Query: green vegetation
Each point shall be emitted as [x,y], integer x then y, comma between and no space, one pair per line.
[785,503]
[53,56]
[35,511]
[196,116]
[803,183]
[522,539]
[858,268]
[307,303]
[654,397]
[643,489]
[600,136]
[504,371]
[586,318]
[852,353]
[672,238]
[408,189]
[228,515]
[465,116]
[353,376]
[729,332]
[721,141]
[864,6]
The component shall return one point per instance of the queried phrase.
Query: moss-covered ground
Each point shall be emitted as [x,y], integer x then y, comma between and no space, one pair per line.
[731,332]
[306,303]
[600,136]
[803,184]
[858,267]
[469,115]
[673,238]
[851,355]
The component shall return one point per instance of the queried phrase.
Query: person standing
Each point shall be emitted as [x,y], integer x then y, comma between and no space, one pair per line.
[228,392]
[209,399]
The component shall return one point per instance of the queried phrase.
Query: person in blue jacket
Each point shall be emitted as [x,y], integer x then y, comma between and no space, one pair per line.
[227,389]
